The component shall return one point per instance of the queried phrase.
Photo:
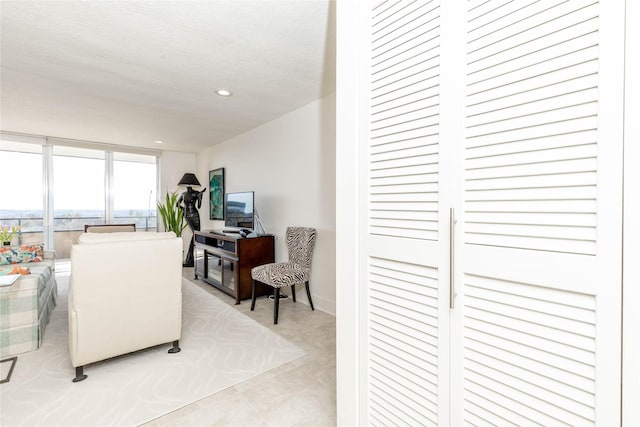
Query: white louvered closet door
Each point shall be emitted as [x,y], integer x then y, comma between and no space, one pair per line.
[538,242]
[405,321]
[509,111]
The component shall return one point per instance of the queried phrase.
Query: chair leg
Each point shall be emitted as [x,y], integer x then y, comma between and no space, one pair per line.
[175,347]
[80,376]
[276,303]
[293,292]
[253,294]
[306,285]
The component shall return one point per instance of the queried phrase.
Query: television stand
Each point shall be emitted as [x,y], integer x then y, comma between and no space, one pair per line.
[225,261]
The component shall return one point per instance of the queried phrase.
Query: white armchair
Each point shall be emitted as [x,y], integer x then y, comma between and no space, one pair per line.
[124,295]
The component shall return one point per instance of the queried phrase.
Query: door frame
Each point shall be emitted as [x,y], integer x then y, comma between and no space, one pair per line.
[631,222]
[348,275]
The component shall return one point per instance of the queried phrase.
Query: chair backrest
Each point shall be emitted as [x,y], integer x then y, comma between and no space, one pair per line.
[108,228]
[300,242]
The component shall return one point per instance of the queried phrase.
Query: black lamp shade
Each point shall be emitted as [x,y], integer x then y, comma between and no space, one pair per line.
[189,180]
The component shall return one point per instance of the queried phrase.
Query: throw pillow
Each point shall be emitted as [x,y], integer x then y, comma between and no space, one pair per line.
[24,253]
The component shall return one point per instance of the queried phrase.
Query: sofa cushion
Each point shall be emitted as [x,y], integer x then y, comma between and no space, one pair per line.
[20,254]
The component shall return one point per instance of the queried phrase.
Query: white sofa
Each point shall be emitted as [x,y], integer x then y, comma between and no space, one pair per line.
[124,295]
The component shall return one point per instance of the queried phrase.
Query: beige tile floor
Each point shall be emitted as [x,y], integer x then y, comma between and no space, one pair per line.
[299,393]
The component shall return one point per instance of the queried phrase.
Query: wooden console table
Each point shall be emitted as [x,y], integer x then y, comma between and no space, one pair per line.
[225,261]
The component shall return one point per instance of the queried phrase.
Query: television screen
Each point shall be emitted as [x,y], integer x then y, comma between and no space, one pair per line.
[238,210]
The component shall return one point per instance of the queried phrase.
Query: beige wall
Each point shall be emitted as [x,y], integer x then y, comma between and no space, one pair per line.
[290,164]
[172,166]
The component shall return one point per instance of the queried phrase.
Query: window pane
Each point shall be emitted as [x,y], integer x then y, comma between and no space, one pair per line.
[79,189]
[134,192]
[21,196]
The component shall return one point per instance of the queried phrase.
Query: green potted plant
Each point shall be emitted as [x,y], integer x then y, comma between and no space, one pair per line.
[7,234]
[172,215]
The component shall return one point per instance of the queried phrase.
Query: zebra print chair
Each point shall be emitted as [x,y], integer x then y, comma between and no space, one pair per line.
[300,242]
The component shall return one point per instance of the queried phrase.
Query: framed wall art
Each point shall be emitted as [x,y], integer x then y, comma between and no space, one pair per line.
[216,194]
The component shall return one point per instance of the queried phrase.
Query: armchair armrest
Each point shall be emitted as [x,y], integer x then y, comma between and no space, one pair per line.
[49,254]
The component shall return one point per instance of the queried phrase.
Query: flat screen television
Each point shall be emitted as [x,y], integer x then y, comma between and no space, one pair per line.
[238,210]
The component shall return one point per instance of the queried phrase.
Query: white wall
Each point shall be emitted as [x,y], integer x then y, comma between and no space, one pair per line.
[172,166]
[290,164]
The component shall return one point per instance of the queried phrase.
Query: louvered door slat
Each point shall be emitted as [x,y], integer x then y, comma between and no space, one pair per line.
[486,415]
[575,178]
[533,145]
[572,412]
[550,154]
[423,57]
[530,19]
[580,97]
[406,200]
[556,166]
[541,193]
[527,37]
[561,113]
[491,12]
[388,160]
[586,234]
[568,332]
[509,395]
[405,111]
[429,134]
[553,219]
[538,62]
[408,45]
[405,115]
[516,87]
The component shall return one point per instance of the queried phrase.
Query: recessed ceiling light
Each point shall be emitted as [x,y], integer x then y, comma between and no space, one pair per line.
[223,92]
[159,142]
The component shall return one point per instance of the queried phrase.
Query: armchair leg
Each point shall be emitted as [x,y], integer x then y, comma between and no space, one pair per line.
[80,376]
[253,294]
[176,347]
[293,292]
[306,285]
[276,303]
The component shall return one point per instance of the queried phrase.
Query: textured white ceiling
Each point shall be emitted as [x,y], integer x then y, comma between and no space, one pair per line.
[131,72]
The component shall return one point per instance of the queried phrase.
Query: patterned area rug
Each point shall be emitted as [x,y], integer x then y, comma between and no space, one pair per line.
[220,347]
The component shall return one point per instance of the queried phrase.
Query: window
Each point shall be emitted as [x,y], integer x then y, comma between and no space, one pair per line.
[134,190]
[21,194]
[78,188]
[53,187]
